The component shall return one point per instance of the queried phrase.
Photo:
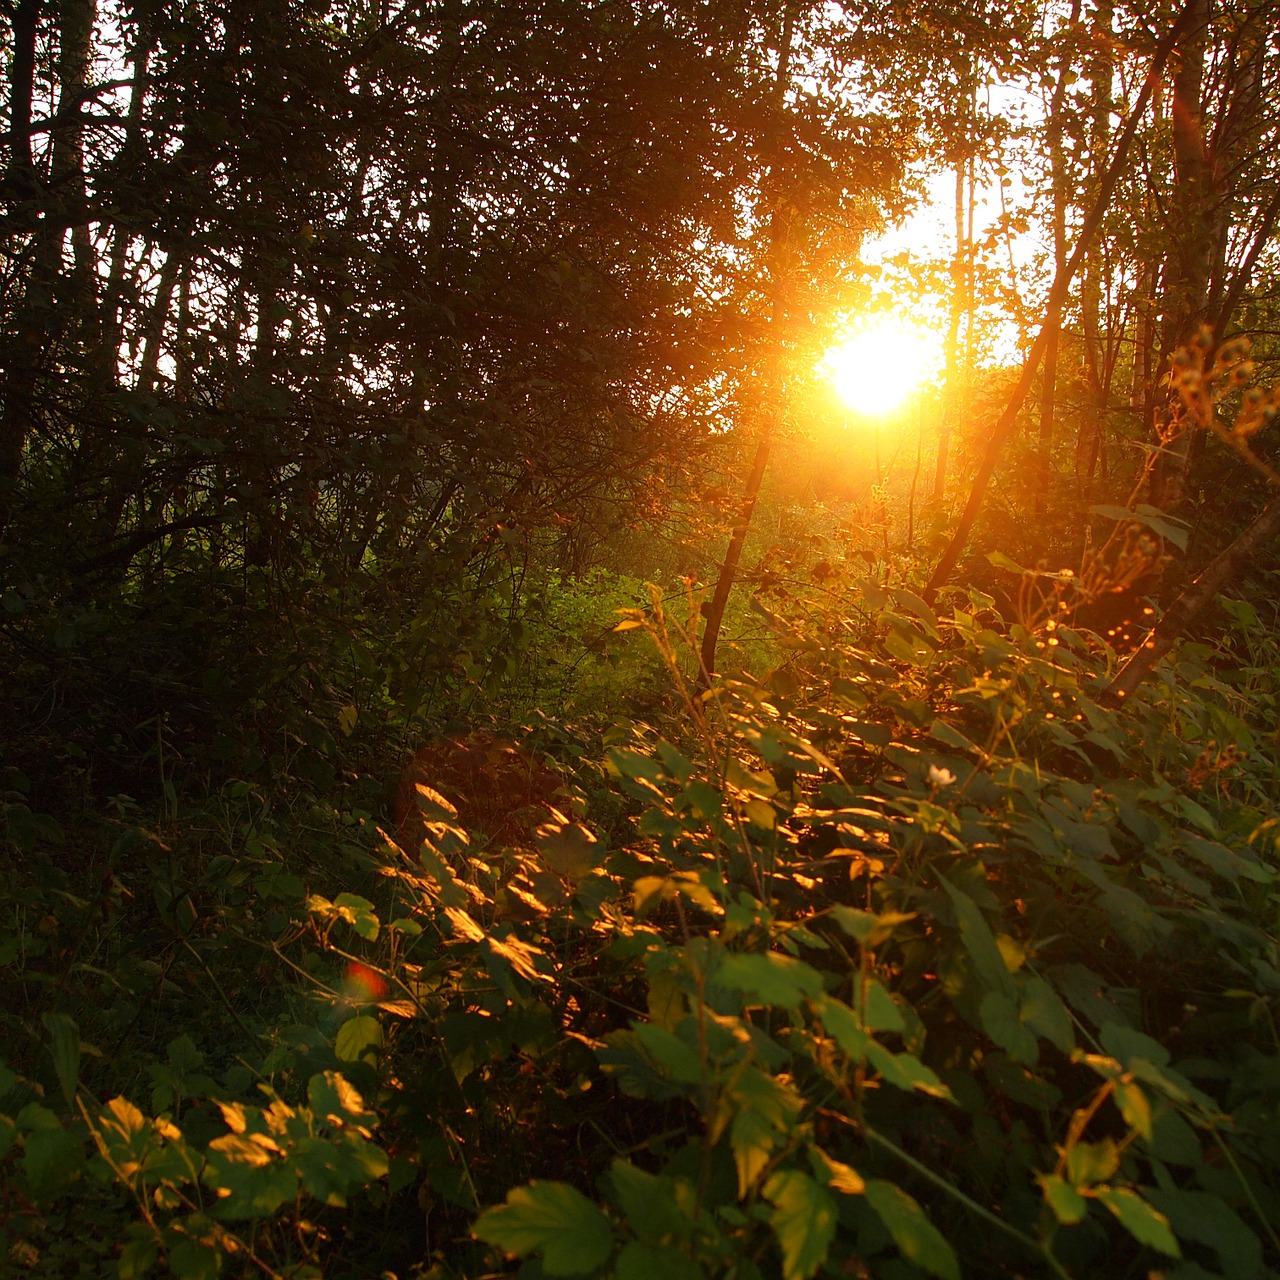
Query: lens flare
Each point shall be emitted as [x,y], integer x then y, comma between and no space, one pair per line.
[879,365]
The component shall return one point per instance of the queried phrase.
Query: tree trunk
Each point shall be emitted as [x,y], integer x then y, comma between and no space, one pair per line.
[952,394]
[1049,380]
[1008,420]
[729,569]
[1093,423]
[1187,264]
[113,295]
[780,226]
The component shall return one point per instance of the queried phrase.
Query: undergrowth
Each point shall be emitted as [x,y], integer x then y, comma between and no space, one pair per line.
[910,957]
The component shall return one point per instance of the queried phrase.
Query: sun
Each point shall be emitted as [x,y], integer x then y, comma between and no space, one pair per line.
[879,365]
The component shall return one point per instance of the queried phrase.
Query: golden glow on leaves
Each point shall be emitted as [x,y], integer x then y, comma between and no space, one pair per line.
[880,364]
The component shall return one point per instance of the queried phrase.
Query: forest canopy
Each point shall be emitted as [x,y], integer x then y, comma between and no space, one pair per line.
[639,638]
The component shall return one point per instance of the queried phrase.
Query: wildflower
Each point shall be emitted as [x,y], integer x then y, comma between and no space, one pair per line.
[940,777]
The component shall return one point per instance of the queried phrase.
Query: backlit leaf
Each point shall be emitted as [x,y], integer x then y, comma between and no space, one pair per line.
[1092,1162]
[1134,1106]
[359,1039]
[1067,1204]
[358,913]
[1143,1221]
[803,1220]
[568,848]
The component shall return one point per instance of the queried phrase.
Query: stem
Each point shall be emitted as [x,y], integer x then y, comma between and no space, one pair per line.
[969,1203]
[1248,1191]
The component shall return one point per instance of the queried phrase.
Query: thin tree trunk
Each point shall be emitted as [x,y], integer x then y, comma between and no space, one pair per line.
[75,40]
[951,394]
[156,322]
[778,235]
[729,569]
[22,367]
[1092,425]
[1057,294]
[1188,262]
[113,296]
[1049,379]
[20,181]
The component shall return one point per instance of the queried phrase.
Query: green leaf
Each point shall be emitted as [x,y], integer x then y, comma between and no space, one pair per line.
[632,764]
[874,735]
[64,1047]
[1209,1220]
[980,942]
[359,1039]
[334,1100]
[999,1017]
[1142,1221]
[358,912]
[648,1262]
[330,1169]
[137,1258]
[875,1004]
[918,1240]
[1134,1106]
[1067,1204]
[771,978]
[753,1141]
[867,928]
[1043,1011]
[906,1071]
[903,1070]
[257,1180]
[835,1174]
[678,765]
[1166,526]
[908,647]
[999,560]
[1092,1162]
[648,1203]
[953,738]
[803,1220]
[675,1058]
[1125,1044]
[568,848]
[912,603]
[766,1112]
[51,1161]
[1174,1141]
[193,1260]
[1169,527]
[554,1219]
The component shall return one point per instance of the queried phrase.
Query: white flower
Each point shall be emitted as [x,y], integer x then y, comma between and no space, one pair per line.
[941,777]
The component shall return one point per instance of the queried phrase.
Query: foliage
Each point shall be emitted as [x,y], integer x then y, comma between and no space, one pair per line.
[359,367]
[918,955]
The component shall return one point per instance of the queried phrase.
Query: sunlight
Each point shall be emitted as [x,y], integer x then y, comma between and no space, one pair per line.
[880,364]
